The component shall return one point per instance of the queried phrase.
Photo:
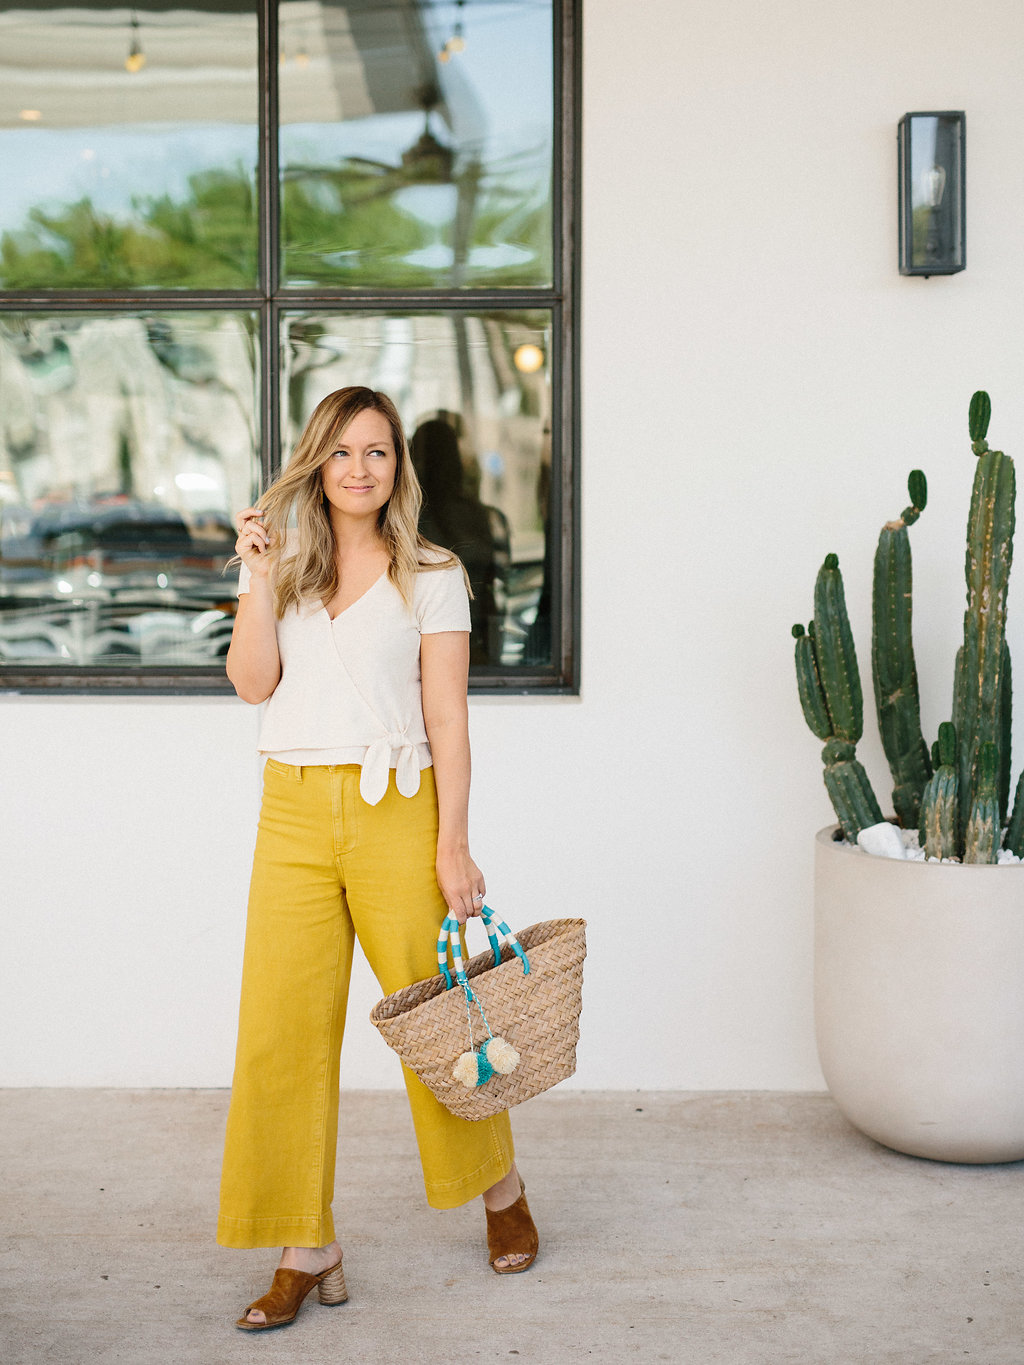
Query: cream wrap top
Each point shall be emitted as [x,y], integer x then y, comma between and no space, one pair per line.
[350,688]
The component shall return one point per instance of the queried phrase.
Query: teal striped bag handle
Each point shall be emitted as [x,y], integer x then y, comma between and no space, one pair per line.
[449,937]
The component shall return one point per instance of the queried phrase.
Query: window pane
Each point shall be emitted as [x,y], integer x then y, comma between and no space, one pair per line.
[416,142]
[128,149]
[126,445]
[474,391]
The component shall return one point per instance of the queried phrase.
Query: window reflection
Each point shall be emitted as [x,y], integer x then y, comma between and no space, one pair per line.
[475,396]
[413,155]
[126,445]
[148,135]
[416,151]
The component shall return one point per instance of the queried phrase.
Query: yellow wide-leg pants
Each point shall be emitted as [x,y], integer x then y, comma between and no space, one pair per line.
[328,869]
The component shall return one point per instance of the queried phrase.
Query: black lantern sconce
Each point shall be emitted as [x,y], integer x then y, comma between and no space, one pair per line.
[933,207]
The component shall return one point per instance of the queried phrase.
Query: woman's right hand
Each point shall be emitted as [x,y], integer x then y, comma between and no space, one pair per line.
[253,542]
[254,661]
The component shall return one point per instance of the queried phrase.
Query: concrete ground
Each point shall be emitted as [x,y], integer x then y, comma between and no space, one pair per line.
[717,1229]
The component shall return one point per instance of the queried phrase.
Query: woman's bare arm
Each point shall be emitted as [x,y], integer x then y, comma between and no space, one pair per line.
[253,662]
[444,668]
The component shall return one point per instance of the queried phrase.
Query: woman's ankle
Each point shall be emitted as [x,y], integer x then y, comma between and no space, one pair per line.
[311,1259]
[504,1192]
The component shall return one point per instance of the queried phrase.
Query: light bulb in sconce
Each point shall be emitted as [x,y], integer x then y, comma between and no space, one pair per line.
[528,358]
[934,186]
[136,58]
[30,115]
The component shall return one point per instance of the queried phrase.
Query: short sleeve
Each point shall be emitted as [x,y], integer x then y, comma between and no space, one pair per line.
[442,602]
[244,575]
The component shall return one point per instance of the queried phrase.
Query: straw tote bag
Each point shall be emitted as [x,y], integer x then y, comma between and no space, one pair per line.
[526,993]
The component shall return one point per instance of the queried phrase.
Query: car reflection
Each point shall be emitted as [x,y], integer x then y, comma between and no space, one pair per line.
[113,581]
[110,582]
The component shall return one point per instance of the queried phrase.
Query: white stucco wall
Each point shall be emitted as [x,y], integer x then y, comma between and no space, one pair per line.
[757,382]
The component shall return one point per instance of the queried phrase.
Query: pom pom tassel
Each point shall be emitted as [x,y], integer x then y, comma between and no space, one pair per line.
[476,1068]
[502,1055]
[472,1069]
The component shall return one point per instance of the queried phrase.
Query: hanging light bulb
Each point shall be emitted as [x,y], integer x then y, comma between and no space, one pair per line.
[457,42]
[136,58]
[528,358]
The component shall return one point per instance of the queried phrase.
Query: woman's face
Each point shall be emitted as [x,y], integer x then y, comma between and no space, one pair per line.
[359,477]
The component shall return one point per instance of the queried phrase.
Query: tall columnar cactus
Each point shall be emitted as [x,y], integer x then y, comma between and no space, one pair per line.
[849,788]
[893,670]
[1005,732]
[808,681]
[835,654]
[828,681]
[981,837]
[1014,837]
[940,809]
[961,807]
[980,694]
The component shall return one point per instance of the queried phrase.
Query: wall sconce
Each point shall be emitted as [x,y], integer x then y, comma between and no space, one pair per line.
[933,204]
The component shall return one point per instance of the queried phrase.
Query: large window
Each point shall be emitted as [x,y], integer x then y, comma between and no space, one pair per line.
[211,215]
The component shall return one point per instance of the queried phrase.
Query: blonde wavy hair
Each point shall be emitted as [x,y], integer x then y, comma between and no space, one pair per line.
[311,573]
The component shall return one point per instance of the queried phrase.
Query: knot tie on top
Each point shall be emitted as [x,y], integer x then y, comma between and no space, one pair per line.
[373,782]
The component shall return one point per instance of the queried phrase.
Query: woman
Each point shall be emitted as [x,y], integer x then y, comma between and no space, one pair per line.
[357,630]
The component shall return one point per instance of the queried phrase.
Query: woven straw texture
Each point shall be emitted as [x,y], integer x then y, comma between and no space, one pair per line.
[538,1014]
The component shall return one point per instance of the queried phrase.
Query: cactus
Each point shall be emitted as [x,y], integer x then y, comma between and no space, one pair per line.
[981,838]
[849,788]
[812,695]
[940,814]
[828,682]
[980,705]
[1005,732]
[893,670]
[835,654]
[979,414]
[1014,837]
[961,806]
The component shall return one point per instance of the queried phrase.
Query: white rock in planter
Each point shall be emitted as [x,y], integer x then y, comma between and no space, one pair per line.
[884,841]
[919,1001]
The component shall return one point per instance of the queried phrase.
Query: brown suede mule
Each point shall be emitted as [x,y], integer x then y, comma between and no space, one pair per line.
[512,1232]
[281,1303]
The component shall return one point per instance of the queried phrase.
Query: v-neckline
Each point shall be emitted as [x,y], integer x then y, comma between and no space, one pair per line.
[331,619]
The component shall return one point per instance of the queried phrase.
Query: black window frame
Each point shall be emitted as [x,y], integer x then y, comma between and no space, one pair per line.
[269,300]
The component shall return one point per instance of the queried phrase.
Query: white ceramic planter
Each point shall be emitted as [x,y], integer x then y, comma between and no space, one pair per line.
[919,1001]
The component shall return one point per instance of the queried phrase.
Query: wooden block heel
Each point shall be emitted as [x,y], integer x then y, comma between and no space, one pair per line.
[331,1289]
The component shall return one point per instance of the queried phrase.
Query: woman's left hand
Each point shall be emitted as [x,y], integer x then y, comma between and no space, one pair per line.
[461,883]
